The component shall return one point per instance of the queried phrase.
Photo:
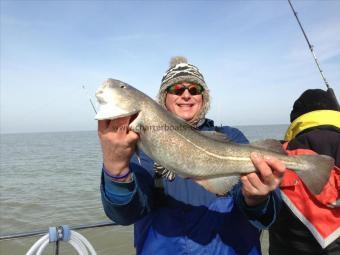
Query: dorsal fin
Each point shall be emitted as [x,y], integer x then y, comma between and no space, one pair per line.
[269,145]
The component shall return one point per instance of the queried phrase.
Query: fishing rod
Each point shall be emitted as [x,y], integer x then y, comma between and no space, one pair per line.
[329,89]
[94,108]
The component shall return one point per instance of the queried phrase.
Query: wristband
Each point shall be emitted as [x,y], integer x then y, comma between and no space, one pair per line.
[116,177]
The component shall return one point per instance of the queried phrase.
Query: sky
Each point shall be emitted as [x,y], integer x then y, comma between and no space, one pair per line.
[252,54]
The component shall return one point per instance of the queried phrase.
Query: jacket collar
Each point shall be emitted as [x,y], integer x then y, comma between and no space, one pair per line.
[205,123]
[313,119]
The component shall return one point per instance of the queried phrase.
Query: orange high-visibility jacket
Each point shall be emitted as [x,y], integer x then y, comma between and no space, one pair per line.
[319,213]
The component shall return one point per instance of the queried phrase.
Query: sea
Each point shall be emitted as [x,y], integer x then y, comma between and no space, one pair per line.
[53,179]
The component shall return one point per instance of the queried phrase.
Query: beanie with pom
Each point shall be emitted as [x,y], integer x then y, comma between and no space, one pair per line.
[181,71]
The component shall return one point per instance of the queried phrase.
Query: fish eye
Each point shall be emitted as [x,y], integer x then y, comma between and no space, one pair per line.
[122,86]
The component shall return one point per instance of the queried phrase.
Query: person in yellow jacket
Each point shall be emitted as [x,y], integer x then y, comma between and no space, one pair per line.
[310,224]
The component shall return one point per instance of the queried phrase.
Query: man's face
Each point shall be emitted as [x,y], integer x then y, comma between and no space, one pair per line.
[185,106]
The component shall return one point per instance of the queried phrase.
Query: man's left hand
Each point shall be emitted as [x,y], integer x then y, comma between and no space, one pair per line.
[258,185]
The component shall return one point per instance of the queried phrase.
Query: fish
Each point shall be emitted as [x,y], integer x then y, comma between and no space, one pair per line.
[213,162]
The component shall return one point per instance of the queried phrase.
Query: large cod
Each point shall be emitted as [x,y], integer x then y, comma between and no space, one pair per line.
[215,163]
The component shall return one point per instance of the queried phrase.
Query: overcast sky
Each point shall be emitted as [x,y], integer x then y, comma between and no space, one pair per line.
[252,54]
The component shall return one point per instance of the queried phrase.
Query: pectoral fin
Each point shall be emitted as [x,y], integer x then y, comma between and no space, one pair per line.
[219,185]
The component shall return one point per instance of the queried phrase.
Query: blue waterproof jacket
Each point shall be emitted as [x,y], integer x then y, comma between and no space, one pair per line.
[185,218]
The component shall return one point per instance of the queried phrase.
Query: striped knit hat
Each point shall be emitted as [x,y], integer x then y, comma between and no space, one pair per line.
[181,71]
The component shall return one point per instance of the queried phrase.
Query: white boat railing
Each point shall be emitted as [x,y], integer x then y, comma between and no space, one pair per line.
[55,235]
[42,232]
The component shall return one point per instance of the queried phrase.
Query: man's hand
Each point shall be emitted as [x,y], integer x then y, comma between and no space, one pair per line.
[118,144]
[258,185]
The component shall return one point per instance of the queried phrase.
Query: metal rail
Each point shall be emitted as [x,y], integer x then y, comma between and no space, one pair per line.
[45,231]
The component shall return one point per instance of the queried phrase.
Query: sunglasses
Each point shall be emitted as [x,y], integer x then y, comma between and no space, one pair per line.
[178,89]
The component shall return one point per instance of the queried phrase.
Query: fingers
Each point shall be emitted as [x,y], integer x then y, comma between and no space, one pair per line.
[276,165]
[255,181]
[117,142]
[257,185]
[271,169]
[266,173]
[248,187]
[132,137]
[117,130]
[120,125]
[253,195]
[103,125]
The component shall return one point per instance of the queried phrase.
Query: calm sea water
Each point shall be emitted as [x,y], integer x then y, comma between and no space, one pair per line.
[50,179]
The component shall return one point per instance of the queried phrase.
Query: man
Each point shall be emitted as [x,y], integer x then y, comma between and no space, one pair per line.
[179,216]
[309,224]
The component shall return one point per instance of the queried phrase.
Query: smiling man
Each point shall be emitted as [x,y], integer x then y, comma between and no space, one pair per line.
[174,215]
[185,100]
[183,91]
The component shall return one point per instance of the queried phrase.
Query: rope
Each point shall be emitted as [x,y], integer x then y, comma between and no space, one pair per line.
[62,233]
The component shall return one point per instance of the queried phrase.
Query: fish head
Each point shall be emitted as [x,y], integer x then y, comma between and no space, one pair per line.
[117,99]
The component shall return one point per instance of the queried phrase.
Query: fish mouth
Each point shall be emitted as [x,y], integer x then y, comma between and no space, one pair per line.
[108,113]
[133,117]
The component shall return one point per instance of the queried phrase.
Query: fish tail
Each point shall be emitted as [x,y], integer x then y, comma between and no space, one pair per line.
[317,171]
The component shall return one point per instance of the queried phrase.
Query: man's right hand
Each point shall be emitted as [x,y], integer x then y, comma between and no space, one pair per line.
[118,144]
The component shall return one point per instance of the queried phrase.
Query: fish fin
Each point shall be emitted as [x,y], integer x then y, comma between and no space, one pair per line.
[219,185]
[317,171]
[217,136]
[269,145]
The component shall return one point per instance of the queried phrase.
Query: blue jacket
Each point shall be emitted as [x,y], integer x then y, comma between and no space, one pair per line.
[187,219]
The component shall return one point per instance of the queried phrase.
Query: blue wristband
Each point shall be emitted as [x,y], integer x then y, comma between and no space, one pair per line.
[116,177]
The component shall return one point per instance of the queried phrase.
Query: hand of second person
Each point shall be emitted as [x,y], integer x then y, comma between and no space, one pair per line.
[258,185]
[118,144]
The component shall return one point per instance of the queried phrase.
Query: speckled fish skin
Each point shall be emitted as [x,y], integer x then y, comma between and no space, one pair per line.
[180,148]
